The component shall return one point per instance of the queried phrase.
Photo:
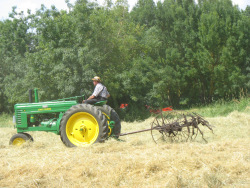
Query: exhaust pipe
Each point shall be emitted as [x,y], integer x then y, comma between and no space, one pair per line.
[30,96]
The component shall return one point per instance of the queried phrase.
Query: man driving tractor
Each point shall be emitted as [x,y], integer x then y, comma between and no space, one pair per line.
[100,92]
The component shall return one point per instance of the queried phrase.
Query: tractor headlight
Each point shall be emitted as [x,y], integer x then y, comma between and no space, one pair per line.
[14,119]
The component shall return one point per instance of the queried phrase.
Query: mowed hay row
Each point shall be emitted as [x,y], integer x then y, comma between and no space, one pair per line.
[136,162]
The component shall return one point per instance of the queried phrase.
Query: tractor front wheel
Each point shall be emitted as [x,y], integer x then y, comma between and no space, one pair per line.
[20,138]
[83,125]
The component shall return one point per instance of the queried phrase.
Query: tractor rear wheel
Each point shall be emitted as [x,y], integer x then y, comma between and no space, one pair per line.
[83,125]
[20,138]
[112,116]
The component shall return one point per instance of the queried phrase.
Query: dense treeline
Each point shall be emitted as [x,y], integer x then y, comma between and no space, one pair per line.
[175,52]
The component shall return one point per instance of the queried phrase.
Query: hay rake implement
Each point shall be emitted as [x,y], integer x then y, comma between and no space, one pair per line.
[176,127]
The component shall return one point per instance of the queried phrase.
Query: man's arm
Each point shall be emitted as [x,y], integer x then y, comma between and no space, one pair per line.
[91,97]
[108,95]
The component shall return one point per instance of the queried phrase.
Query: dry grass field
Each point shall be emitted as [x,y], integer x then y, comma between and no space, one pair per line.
[137,162]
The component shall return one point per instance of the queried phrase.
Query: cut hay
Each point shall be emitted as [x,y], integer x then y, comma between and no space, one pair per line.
[137,162]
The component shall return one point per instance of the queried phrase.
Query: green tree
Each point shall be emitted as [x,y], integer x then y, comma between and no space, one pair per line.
[219,54]
[144,12]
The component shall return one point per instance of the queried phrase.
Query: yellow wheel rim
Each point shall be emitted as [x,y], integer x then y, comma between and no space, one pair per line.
[82,129]
[107,117]
[18,141]
[110,131]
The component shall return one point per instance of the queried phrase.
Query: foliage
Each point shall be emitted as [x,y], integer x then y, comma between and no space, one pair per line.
[177,53]
[223,108]
[6,120]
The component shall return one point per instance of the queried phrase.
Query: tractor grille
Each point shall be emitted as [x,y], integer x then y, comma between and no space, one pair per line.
[18,117]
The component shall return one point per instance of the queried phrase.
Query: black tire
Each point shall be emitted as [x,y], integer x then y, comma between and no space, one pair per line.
[94,126]
[31,138]
[106,109]
[19,138]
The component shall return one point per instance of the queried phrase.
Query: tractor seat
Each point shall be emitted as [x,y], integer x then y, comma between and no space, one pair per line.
[100,103]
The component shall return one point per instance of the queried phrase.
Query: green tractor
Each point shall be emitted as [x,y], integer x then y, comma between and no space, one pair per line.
[77,124]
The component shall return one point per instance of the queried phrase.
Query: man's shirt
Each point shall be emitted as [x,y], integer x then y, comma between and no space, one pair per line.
[100,91]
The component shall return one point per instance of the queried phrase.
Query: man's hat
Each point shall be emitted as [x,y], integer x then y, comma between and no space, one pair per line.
[96,78]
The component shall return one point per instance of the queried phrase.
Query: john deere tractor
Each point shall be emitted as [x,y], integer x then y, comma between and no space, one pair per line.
[77,124]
